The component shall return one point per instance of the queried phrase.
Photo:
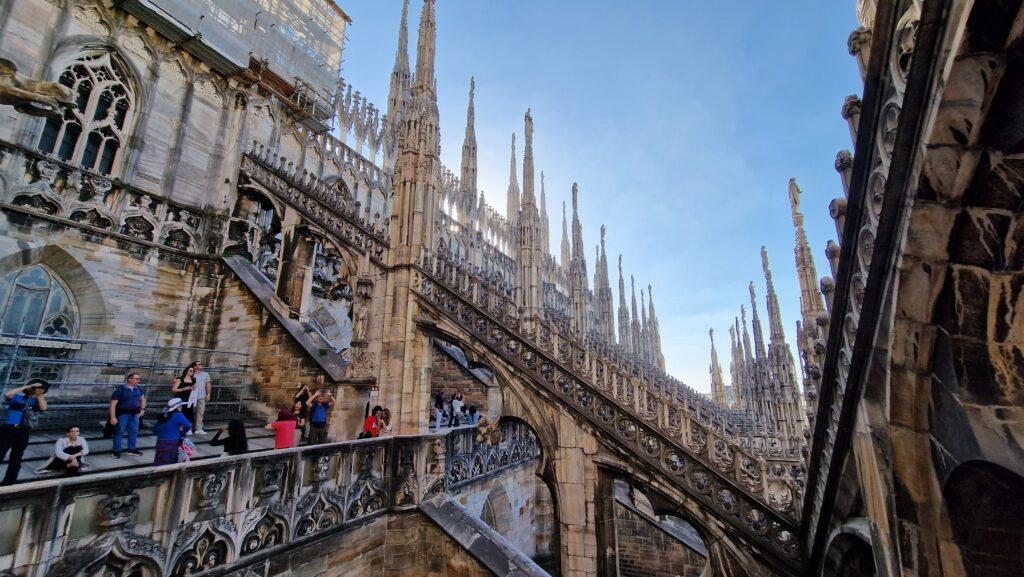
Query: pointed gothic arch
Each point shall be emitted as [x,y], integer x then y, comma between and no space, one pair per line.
[95,134]
[87,312]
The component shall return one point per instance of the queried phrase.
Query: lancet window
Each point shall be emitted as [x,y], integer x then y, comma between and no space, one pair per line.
[34,302]
[93,133]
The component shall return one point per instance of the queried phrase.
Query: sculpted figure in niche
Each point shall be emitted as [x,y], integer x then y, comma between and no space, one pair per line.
[361,321]
[332,319]
[32,97]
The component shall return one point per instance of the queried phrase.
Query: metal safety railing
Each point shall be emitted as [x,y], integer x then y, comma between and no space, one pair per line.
[83,373]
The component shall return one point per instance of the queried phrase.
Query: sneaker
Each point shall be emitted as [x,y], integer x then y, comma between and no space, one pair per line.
[188,434]
[116,455]
[200,432]
[134,453]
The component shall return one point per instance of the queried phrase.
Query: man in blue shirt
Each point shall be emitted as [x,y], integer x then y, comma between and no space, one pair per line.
[127,405]
[319,408]
[23,403]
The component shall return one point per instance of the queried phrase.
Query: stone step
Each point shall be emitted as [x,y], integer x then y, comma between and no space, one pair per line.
[100,450]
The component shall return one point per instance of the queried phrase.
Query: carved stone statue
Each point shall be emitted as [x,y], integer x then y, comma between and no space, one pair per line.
[359,334]
[32,97]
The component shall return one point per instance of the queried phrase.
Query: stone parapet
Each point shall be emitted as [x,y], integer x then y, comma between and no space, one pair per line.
[234,512]
[752,494]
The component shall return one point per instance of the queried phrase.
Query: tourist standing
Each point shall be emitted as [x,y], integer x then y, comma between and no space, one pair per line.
[385,422]
[302,397]
[319,409]
[23,405]
[127,405]
[284,429]
[371,426]
[438,410]
[170,430]
[202,391]
[183,388]
[472,417]
[68,455]
[236,442]
[457,405]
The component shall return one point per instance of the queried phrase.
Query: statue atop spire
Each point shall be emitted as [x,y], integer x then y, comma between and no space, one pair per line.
[755,325]
[625,335]
[578,271]
[398,93]
[566,250]
[426,48]
[655,333]
[604,307]
[529,199]
[717,381]
[812,306]
[513,201]
[635,328]
[545,226]
[467,180]
[776,333]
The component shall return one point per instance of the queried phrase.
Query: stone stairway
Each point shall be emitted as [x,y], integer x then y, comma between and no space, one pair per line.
[100,457]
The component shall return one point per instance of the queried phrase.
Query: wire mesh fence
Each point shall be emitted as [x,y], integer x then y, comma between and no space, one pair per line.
[83,374]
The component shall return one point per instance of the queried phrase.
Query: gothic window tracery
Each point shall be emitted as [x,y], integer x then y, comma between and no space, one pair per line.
[93,133]
[34,302]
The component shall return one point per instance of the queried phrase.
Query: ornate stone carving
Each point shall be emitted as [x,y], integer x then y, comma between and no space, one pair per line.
[488,432]
[211,489]
[269,531]
[207,552]
[118,510]
[322,514]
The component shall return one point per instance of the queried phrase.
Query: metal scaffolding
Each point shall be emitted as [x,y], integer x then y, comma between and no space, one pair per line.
[83,373]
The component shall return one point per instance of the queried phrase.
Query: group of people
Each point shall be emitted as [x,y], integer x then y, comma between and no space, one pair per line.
[305,420]
[180,418]
[23,407]
[454,412]
[376,424]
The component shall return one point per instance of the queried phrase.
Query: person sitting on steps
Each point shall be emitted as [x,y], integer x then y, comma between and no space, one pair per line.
[68,455]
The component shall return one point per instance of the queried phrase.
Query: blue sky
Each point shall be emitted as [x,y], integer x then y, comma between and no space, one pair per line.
[682,121]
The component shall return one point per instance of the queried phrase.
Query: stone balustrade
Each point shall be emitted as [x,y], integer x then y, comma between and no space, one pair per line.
[755,492]
[857,218]
[325,203]
[640,387]
[232,512]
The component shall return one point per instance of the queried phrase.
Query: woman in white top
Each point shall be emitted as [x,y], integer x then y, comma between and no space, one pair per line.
[68,455]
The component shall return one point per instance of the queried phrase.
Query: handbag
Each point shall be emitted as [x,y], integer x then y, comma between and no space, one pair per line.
[109,429]
[185,451]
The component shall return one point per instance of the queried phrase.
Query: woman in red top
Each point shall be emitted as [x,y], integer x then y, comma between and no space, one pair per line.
[284,429]
[371,426]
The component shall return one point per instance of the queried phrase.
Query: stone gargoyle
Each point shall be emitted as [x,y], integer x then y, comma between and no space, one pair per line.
[32,97]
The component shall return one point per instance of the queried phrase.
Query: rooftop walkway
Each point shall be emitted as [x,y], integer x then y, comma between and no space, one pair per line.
[100,456]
